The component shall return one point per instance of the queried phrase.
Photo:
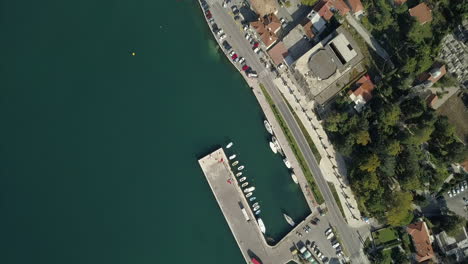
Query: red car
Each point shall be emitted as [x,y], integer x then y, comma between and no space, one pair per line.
[245,67]
[234,56]
[208,14]
[255,45]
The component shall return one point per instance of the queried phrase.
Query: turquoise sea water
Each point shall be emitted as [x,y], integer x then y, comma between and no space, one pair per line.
[99,149]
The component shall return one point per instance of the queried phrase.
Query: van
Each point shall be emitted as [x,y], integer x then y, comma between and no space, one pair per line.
[252,75]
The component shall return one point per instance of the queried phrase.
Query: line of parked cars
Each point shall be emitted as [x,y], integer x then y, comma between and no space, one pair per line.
[457,189]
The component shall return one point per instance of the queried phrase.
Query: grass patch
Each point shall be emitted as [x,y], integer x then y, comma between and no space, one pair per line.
[311,144]
[337,199]
[385,236]
[297,152]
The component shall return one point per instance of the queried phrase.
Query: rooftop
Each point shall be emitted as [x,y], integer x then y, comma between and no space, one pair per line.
[267,27]
[421,240]
[322,64]
[422,13]
[356,6]
[278,53]
[399,2]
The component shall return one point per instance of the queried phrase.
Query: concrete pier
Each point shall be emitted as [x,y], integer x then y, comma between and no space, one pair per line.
[231,200]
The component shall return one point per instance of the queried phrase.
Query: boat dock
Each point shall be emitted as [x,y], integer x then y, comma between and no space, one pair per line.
[231,200]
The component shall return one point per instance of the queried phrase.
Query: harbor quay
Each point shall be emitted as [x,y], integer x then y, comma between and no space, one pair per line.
[244,226]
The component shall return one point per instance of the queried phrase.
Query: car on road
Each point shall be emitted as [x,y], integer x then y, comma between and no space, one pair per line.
[235,10]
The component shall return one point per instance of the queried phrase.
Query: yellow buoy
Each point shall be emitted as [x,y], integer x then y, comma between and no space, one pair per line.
[133,53]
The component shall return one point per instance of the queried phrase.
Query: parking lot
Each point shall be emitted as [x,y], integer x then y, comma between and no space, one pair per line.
[457,199]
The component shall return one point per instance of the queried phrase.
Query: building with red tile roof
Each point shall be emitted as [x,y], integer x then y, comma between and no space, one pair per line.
[437,71]
[278,53]
[431,100]
[422,13]
[356,7]
[267,27]
[421,241]
[399,2]
[363,93]
[325,8]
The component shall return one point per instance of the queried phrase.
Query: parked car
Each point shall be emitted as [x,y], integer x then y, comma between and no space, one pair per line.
[219,32]
[336,244]
[241,60]
[328,231]
[232,53]
[235,11]
[222,36]
[450,194]
[245,68]
[256,50]
[246,27]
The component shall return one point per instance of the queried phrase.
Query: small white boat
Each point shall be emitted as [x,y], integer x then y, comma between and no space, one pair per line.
[294,178]
[232,157]
[275,141]
[238,174]
[252,198]
[241,167]
[242,179]
[255,204]
[229,145]
[248,195]
[261,225]
[258,212]
[289,220]
[235,163]
[256,208]
[244,184]
[273,147]
[268,127]
[286,162]
[250,189]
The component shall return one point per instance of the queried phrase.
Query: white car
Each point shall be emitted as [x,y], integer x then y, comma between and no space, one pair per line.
[462,188]
[231,53]
[450,194]
[241,60]
[257,50]
[246,27]
[220,32]
[328,231]
[222,36]
[247,36]
[336,244]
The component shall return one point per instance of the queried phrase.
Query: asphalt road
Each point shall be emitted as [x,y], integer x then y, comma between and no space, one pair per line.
[235,36]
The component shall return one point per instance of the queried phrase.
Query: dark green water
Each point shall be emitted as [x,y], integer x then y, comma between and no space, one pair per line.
[99,149]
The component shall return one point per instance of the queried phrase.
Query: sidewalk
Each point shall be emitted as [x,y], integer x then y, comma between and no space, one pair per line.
[332,164]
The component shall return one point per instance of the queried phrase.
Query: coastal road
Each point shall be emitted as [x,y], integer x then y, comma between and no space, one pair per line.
[235,36]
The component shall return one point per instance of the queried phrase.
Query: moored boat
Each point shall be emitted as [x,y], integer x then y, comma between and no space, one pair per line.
[252,198]
[242,179]
[268,127]
[244,184]
[248,195]
[250,189]
[294,178]
[255,204]
[275,141]
[256,208]
[241,167]
[261,225]
[238,174]
[229,145]
[286,162]
[289,220]
[258,212]
[232,157]
[235,163]
[273,147]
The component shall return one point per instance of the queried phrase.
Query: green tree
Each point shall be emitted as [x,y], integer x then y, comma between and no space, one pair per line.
[452,224]
[413,107]
[370,164]
[418,33]
[393,148]
[422,135]
[362,137]
[390,115]
[399,212]
[334,121]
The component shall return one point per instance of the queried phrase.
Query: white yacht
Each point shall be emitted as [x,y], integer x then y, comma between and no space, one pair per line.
[232,157]
[241,167]
[256,208]
[255,204]
[289,220]
[250,189]
[229,145]
[258,212]
[252,198]
[294,178]
[273,147]
[268,127]
[261,224]
[287,163]
[238,174]
[244,184]
[275,141]
[248,195]
[235,163]
[242,179]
